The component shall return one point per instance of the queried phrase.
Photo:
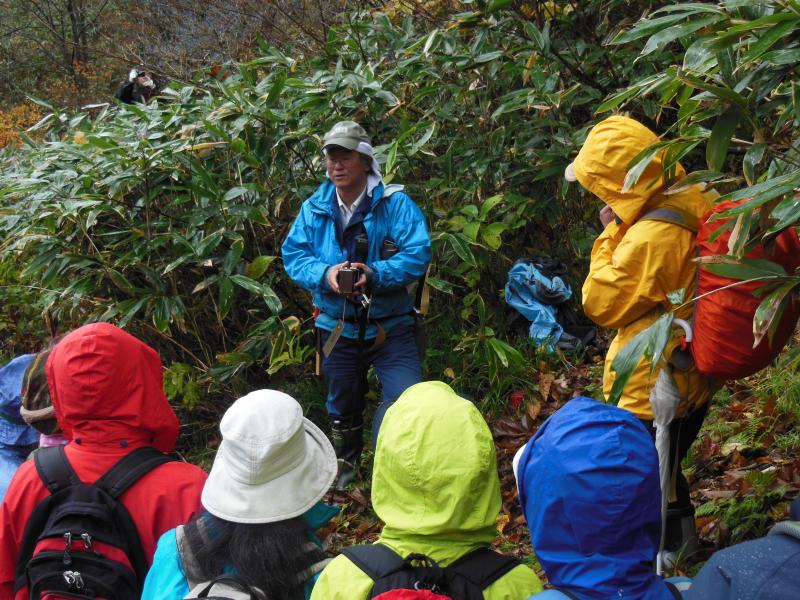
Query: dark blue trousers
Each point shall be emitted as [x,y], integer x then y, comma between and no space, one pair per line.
[396,361]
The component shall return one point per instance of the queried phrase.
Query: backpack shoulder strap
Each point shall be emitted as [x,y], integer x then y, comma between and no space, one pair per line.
[376,560]
[673,590]
[676,216]
[482,567]
[130,468]
[54,469]
[188,537]
[233,582]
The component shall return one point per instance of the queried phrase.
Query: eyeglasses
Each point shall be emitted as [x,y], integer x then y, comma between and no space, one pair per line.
[342,159]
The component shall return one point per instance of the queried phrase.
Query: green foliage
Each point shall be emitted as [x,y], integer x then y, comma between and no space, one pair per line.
[22,328]
[167,218]
[734,87]
[747,517]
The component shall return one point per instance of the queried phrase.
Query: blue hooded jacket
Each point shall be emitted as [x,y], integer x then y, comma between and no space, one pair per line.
[15,436]
[589,489]
[315,243]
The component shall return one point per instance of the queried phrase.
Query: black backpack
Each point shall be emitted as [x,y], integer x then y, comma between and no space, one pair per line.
[80,542]
[465,579]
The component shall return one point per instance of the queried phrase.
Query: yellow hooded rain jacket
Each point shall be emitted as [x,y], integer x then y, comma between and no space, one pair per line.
[636,263]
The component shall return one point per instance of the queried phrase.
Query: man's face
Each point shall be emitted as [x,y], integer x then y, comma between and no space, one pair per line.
[144,79]
[346,168]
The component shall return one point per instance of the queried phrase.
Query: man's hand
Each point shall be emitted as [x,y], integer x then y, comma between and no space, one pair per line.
[607,215]
[333,273]
[366,275]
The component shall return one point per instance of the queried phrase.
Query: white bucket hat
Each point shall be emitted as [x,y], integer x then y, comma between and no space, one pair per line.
[272,464]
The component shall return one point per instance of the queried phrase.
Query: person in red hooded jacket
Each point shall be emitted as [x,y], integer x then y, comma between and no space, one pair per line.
[106,388]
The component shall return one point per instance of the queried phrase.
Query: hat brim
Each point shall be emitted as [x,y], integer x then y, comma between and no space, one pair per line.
[569,173]
[347,143]
[279,499]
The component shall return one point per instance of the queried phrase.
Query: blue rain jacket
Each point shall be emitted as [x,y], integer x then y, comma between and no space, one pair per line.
[764,569]
[166,580]
[589,489]
[315,242]
[13,430]
[536,297]
[15,435]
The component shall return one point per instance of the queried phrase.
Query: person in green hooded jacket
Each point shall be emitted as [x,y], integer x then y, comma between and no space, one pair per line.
[435,486]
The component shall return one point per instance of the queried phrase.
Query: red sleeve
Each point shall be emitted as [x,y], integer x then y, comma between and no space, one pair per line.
[24,492]
[164,498]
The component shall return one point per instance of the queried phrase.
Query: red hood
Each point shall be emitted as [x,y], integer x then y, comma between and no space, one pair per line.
[107,389]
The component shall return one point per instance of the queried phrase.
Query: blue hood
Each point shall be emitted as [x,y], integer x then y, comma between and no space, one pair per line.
[589,489]
[13,430]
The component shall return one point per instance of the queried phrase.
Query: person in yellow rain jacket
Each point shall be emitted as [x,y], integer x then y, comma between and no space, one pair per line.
[639,258]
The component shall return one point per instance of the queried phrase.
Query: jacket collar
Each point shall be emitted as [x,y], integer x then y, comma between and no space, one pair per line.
[323,200]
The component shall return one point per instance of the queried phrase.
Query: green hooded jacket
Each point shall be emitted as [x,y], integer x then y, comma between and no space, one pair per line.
[435,486]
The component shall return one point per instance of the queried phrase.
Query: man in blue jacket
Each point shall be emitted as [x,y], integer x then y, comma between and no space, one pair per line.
[354,221]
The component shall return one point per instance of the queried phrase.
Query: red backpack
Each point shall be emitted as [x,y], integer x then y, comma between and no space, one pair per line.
[723,344]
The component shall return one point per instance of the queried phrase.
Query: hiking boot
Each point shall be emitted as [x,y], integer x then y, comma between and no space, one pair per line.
[348,440]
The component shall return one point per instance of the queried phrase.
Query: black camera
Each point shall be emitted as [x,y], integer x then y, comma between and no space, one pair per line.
[346,279]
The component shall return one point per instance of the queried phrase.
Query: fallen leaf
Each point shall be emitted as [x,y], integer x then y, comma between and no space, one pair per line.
[731,447]
[509,426]
[717,494]
[533,409]
[502,521]
[738,459]
[779,512]
[358,496]
[545,383]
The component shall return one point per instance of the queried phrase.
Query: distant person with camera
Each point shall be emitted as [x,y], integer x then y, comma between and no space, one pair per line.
[140,87]
[359,245]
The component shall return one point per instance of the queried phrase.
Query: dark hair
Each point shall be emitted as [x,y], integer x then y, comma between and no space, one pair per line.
[277,558]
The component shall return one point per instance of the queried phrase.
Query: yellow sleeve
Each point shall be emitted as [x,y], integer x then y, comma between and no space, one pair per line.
[519,583]
[605,244]
[341,580]
[632,270]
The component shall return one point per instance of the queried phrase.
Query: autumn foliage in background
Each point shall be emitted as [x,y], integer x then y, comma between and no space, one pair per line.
[17,118]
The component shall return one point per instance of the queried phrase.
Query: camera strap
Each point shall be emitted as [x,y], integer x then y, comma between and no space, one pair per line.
[363,322]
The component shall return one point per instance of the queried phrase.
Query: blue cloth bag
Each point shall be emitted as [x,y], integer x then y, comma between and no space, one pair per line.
[537,297]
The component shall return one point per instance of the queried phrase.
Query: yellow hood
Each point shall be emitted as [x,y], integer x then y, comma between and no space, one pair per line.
[604,160]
